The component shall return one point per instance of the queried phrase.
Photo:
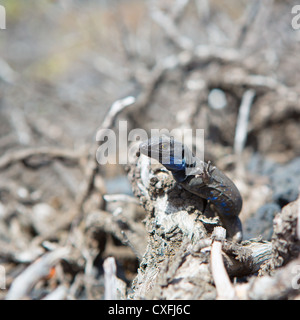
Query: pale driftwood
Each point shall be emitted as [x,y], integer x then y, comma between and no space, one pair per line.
[110,279]
[60,293]
[171,30]
[223,284]
[116,108]
[42,155]
[119,197]
[176,264]
[241,130]
[36,271]
[115,288]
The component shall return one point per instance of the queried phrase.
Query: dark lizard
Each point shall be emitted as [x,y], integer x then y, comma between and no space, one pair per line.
[199,178]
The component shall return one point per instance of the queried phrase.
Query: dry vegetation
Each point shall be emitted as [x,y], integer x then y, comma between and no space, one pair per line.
[67,69]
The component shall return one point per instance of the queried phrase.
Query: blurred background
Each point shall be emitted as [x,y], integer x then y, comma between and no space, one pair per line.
[189,64]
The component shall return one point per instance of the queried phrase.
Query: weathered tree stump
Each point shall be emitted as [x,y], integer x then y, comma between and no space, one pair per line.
[177,262]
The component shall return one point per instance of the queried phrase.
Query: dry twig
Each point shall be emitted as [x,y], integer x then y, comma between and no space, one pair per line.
[110,270]
[242,121]
[35,272]
[42,156]
[223,284]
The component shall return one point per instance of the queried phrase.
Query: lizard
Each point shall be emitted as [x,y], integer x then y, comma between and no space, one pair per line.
[199,178]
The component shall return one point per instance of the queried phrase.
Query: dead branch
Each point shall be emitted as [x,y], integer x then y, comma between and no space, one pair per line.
[176,265]
[171,30]
[116,108]
[110,278]
[40,156]
[248,20]
[176,262]
[223,284]
[122,227]
[60,293]
[242,122]
[91,166]
[39,269]
[283,284]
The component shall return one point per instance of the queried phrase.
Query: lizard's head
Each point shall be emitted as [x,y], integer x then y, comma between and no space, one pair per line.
[166,150]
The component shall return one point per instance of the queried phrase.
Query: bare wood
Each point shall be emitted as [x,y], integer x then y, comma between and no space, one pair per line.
[223,284]
[283,284]
[114,287]
[110,270]
[43,154]
[116,108]
[60,293]
[120,197]
[247,257]
[241,130]
[39,269]
[179,242]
